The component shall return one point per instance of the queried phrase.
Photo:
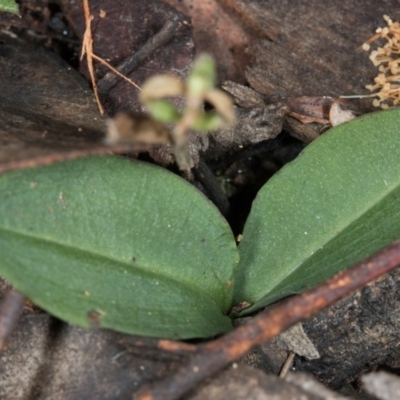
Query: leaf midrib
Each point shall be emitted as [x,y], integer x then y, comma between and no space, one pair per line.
[185,283]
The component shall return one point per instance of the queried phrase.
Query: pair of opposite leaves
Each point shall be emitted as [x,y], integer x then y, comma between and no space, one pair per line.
[132,247]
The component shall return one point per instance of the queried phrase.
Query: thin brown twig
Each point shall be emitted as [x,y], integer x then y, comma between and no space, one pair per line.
[213,356]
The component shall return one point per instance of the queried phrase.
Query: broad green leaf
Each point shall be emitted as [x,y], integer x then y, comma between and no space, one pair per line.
[338,202]
[121,244]
[9,5]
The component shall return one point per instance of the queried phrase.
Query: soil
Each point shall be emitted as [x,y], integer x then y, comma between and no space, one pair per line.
[283,63]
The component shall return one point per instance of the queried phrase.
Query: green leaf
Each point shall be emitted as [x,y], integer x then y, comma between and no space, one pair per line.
[338,202]
[9,5]
[119,244]
[164,111]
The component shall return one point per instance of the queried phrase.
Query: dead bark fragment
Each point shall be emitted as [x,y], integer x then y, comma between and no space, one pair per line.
[357,333]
